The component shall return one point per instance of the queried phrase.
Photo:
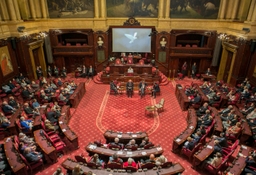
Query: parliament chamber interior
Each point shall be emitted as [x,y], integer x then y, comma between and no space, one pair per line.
[143,87]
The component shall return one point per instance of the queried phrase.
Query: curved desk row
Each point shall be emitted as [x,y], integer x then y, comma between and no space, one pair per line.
[192,123]
[124,137]
[182,97]
[175,169]
[76,97]
[218,127]
[124,154]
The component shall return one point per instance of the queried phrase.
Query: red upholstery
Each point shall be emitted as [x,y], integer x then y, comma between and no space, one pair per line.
[129,60]
[131,168]
[214,170]
[32,165]
[80,159]
[141,62]
[148,165]
[114,165]
[194,45]
[56,142]
[180,76]
[179,45]
[217,103]
[190,153]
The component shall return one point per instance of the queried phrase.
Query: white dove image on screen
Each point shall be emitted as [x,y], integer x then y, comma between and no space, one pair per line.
[131,37]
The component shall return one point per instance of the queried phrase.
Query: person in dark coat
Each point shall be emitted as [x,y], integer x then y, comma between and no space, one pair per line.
[129,88]
[194,69]
[155,89]
[113,87]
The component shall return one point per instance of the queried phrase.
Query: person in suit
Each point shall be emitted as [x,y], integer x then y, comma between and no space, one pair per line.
[195,100]
[90,72]
[113,87]
[52,117]
[217,147]
[155,89]
[129,88]
[222,140]
[28,110]
[115,158]
[184,69]
[49,71]
[215,99]
[151,159]
[231,122]
[13,103]
[49,126]
[145,142]
[7,89]
[204,118]
[64,72]
[56,71]
[27,124]
[116,143]
[190,143]
[250,162]
[77,170]
[142,88]
[202,109]
[132,144]
[229,116]
[208,72]
[39,72]
[225,112]
[5,123]
[7,108]
[26,94]
[27,140]
[83,72]
[197,136]
[194,69]
[32,156]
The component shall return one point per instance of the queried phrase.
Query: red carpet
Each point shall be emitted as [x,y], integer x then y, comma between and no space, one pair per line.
[125,114]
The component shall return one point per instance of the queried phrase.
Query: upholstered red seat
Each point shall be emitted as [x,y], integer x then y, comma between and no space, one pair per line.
[114,165]
[32,165]
[190,153]
[214,170]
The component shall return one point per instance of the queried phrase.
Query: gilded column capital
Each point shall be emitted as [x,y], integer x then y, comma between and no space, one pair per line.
[11,10]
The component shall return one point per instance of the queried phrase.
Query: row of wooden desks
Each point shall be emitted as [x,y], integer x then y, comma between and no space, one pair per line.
[210,78]
[203,154]
[76,97]
[176,168]
[17,165]
[204,98]
[192,124]
[124,137]
[218,127]
[124,154]
[47,149]
[182,97]
[239,163]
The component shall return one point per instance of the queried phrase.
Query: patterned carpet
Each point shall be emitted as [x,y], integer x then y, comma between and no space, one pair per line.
[98,111]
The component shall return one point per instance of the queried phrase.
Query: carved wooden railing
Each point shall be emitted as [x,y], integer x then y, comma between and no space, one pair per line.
[72,50]
[197,51]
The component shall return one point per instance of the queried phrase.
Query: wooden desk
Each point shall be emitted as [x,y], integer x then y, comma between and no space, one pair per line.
[182,97]
[137,68]
[17,165]
[218,127]
[71,138]
[203,96]
[239,164]
[124,137]
[203,154]
[124,154]
[12,127]
[247,132]
[66,109]
[76,97]
[224,97]
[208,77]
[48,150]
[192,123]
[176,168]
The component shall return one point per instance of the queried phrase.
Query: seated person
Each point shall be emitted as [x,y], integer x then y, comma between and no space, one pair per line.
[222,140]
[215,99]
[208,72]
[77,170]
[23,146]
[28,110]
[201,110]
[197,136]
[195,100]
[26,139]
[13,103]
[216,161]
[204,117]
[130,163]
[231,122]
[7,89]
[207,122]
[7,108]
[34,85]
[129,88]
[225,112]
[115,158]
[26,94]
[252,115]
[116,143]
[190,91]
[113,87]
[234,130]
[151,159]
[155,89]
[96,160]
[49,126]
[56,108]
[202,129]
[62,97]
[229,116]
[190,143]
[52,116]
[211,93]
[45,97]
[35,104]
[161,160]
[58,172]
[145,142]
[250,163]
[131,145]
[27,124]
[217,147]
[32,156]
[5,123]
[142,88]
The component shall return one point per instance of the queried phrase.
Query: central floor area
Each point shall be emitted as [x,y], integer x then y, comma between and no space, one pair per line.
[99,111]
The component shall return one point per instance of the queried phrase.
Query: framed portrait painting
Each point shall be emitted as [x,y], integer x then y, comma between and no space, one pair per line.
[5,61]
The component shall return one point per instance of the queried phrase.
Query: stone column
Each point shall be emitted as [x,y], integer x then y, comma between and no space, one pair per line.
[160,8]
[235,9]
[17,10]
[96,9]
[43,6]
[32,9]
[254,15]
[38,8]
[103,8]
[251,9]
[167,9]
[223,9]
[3,11]
[0,17]
[11,10]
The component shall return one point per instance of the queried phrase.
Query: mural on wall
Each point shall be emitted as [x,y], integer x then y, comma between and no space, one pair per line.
[196,9]
[71,8]
[134,8]
[5,61]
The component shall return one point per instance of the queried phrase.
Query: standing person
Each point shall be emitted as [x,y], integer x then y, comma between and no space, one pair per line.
[155,89]
[194,69]
[90,72]
[129,88]
[64,72]
[39,72]
[142,88]
[84,72]
[56,71]
[184,69]
[208,72]
[113,87]
[49,71]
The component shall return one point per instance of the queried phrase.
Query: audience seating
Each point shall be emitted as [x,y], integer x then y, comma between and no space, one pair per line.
[114,165]
[33,165]
[58,144]
[80,159]
[190,153]
[214,170]
[131,168]
[21,129]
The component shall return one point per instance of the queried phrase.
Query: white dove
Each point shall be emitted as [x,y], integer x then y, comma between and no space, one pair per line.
[132,38]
